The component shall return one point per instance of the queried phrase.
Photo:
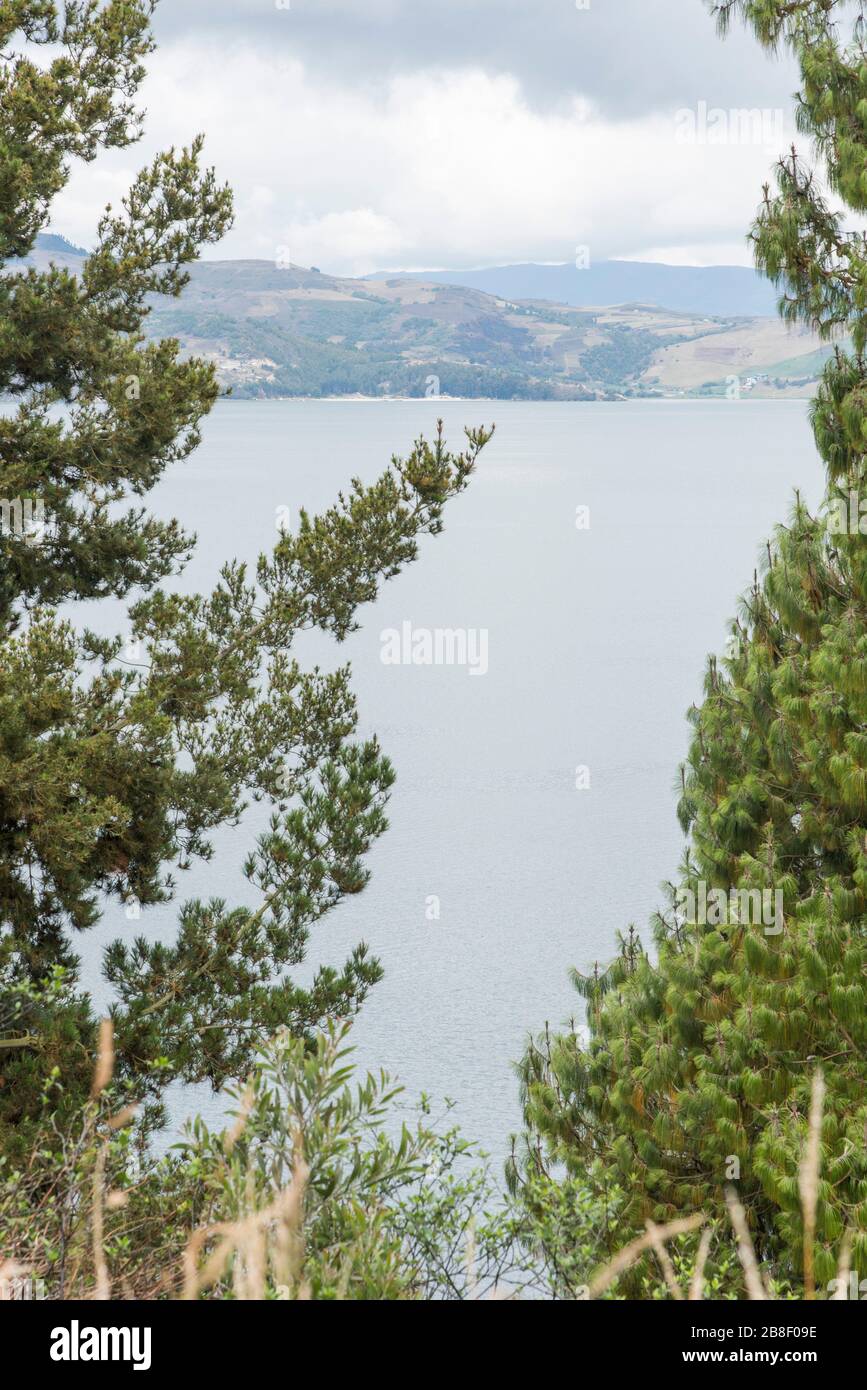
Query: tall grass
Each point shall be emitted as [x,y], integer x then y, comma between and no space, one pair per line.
[262,1252]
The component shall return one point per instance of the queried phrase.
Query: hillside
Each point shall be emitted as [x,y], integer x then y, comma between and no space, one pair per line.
[298,332]
[288,331]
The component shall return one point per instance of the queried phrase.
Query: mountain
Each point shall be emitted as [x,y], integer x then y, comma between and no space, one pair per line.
[52,243]
[275,330]
[52,249]
[292,331]
[718,290]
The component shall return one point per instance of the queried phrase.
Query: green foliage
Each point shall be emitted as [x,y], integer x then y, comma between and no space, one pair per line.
[567,1227]
[114,773]
[322,1186]
[624,356]
[699,1062]
[392,1209]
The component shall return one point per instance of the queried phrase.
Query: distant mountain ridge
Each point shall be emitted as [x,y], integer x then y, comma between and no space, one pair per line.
[718,290]
[52,241]
[281,330]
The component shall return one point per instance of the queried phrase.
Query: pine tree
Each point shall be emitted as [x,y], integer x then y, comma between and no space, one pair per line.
[699,1066]
[114,774]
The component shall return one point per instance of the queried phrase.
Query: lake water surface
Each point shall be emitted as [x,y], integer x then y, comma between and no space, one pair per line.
[596,644]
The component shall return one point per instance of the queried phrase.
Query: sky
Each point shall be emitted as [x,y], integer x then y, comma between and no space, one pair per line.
[449,134]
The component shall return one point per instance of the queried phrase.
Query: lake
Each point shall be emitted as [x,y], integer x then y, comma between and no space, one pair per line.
[505,865]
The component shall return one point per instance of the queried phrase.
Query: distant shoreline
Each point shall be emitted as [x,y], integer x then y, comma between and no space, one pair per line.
[511,400]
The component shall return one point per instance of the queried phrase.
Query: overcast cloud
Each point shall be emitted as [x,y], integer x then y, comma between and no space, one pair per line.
[362,134]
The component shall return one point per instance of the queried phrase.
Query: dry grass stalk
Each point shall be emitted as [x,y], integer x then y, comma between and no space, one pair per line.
[664,1261]
[10,1273]
[102,1074]
[470,1260]
[844,1267]
[123,1117]
[808,1181]
[288,1240]
[100,1264]
[104,1069]
[696,1288]
[605,1277]
[249,1269]
[746,1253]
[248,1241]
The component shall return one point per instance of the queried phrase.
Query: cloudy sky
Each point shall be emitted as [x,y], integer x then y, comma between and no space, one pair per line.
[372,134]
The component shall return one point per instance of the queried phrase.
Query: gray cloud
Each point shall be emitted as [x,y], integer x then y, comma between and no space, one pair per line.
[628,56]
[361,134]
